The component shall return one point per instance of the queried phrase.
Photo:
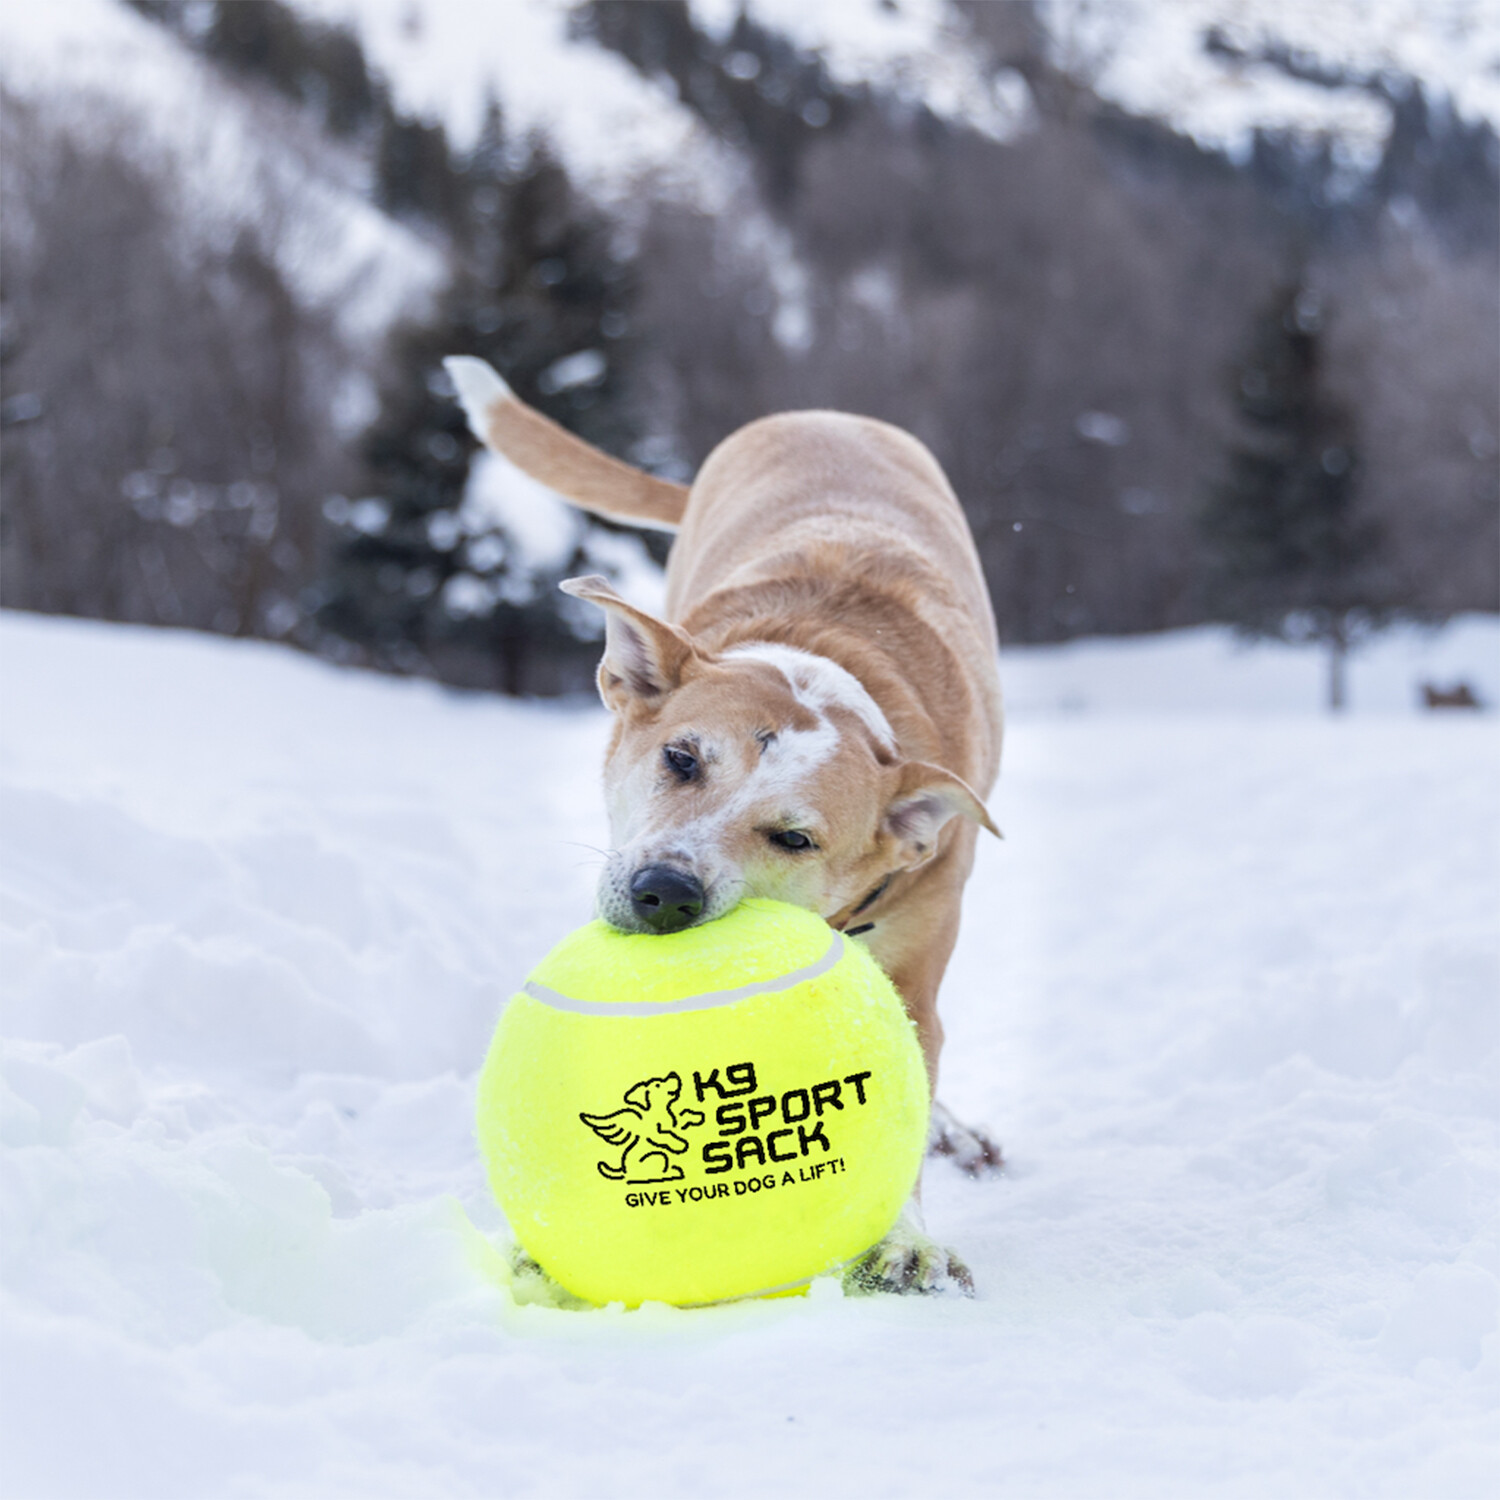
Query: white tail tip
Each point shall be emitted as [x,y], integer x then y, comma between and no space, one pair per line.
[479,387]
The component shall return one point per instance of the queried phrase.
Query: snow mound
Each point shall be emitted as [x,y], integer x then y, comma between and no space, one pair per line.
[1226,993]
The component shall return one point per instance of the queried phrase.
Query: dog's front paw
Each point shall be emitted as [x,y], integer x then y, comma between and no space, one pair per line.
[531,1286]
[906,1261]
[970,1150]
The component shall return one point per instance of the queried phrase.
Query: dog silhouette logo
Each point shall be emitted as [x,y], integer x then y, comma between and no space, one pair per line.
[645,1132]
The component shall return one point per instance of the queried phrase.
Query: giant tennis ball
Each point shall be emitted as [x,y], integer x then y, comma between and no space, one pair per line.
[722,1112]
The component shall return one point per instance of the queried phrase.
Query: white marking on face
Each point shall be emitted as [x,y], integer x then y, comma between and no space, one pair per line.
[819,684]
[773,785]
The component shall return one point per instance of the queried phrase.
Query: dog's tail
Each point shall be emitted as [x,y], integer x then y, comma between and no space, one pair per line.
[575,469]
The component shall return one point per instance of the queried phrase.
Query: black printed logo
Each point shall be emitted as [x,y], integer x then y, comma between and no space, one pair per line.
[645,1132]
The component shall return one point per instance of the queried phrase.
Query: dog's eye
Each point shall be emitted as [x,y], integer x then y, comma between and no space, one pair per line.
[793,839]
[682,763]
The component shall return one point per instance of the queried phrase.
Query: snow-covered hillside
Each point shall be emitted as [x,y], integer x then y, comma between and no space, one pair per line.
[442,54]
[97,72]
[1227,992]
[444,59]
[1151,59]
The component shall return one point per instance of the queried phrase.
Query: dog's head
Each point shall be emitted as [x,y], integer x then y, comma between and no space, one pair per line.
[761,771]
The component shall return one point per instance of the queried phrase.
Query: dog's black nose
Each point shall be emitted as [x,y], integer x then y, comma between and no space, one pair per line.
[666,899]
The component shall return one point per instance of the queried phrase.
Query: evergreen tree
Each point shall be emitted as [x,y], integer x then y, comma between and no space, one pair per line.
[262,38]
[1291,554]
[414,172]
[420,580]
[753,87]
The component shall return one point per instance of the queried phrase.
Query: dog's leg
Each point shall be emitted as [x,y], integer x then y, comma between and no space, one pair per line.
[917,978]
[907,1260]
[531,1286]
[971,1151]
[669,1171]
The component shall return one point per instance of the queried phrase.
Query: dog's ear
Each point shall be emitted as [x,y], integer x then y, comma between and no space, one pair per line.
[639,1094]
[925,797]
[644,658]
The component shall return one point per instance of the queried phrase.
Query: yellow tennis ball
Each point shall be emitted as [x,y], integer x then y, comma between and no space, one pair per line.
[721,1112]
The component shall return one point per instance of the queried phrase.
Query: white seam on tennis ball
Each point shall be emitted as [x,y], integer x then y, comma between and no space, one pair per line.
[765,1291]
[706,1001]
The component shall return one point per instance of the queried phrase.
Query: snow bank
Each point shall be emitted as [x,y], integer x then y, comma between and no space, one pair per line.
[1227,993]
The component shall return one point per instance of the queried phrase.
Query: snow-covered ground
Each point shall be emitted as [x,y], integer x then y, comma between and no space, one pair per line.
[1227,992]
[1211,670]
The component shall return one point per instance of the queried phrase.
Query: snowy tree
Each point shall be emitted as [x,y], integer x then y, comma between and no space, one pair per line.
[449,567]
[414,172]
[314,64]
[1293,554]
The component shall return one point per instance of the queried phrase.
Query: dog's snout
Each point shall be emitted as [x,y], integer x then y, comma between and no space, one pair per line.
[666,899]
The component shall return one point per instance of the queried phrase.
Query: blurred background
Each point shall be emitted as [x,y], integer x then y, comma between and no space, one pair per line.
[1197,301]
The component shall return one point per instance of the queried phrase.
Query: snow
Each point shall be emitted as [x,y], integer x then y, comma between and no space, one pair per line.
[542,532]
[918,51]
[1210,670]
[444,58]
[543,528]
[1149,57]
[1227,993]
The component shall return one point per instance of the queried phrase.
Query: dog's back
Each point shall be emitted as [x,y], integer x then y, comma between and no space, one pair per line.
[834,533]
[841,535]
[821,477]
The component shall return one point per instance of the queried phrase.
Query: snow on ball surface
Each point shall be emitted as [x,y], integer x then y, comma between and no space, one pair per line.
[721,1112]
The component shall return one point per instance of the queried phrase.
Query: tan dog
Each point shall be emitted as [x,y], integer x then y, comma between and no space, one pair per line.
[818,717]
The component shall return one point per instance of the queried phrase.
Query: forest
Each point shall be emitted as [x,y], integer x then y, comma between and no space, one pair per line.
[1169,385]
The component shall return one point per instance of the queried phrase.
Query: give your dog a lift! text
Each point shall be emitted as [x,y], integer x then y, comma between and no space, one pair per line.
[765,1130]
[741,1186]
